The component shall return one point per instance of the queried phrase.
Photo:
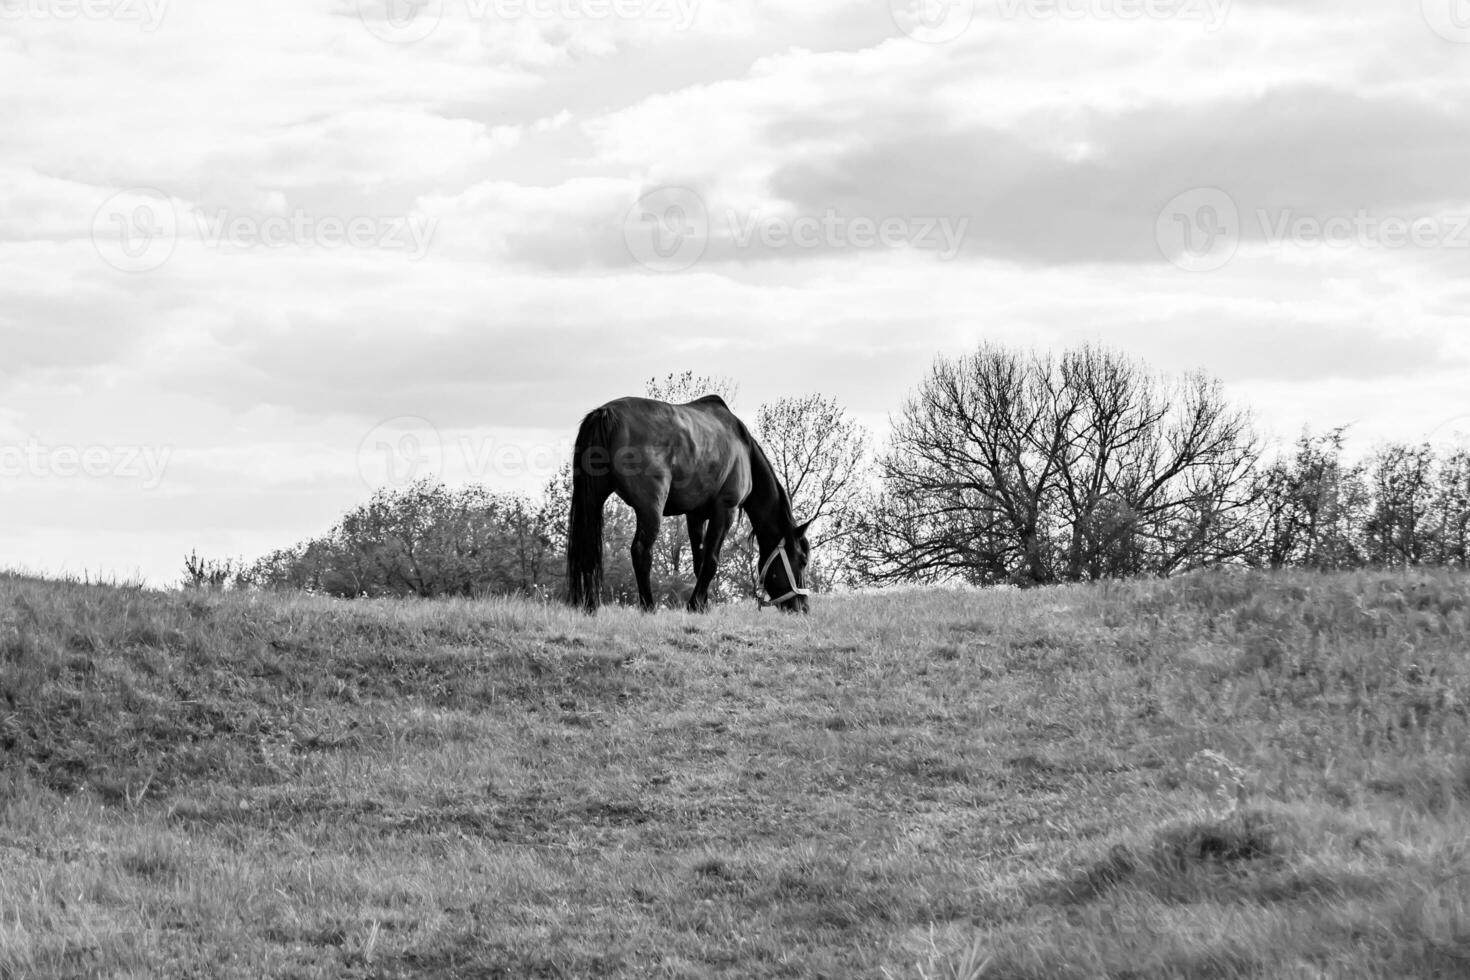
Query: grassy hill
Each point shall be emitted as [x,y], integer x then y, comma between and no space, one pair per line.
[1225,775]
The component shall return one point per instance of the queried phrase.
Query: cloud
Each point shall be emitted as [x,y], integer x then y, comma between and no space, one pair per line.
[1302,151]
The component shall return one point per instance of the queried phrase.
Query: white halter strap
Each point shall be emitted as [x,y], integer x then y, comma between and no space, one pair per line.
[794,591]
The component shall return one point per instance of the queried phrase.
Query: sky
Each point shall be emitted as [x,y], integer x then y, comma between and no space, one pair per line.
[260,259]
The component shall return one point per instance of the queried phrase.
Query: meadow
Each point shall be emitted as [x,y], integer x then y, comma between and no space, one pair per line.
[1231,774]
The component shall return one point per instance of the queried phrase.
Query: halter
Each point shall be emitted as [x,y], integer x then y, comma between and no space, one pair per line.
[790,579]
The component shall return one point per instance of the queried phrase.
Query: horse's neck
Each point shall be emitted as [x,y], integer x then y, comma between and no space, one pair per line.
[764,506]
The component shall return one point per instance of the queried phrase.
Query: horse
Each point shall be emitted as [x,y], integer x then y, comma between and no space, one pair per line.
[697,459]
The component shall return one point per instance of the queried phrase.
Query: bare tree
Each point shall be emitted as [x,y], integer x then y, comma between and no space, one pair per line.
[1166,466]
[975,460]
[687,386]
[1008,467]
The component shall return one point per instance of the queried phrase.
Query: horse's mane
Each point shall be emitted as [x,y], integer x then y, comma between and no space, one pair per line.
[758,453]
[758,456]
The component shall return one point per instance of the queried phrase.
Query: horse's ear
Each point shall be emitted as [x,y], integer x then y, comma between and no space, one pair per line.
[801,528]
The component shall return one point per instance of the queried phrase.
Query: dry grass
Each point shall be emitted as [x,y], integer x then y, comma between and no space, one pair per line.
[1228,775]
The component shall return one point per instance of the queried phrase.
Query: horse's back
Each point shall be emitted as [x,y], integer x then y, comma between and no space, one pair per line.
[698,448]
[658,418]
[710,400]
[638,404]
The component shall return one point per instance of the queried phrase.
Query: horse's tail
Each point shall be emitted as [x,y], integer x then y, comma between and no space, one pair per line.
[591,484]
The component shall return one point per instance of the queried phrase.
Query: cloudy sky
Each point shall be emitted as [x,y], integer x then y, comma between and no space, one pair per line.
[262,257]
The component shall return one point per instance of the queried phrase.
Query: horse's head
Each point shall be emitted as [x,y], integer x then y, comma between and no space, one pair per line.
[783,570]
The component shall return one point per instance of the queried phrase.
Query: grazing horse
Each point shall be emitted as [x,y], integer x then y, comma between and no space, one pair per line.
[695,459]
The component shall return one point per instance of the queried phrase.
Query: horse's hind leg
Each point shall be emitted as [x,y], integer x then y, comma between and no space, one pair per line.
[697,526]
[714,540]
[649,521]
[696,541]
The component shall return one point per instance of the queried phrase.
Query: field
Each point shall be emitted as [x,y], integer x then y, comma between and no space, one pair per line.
[1222,775]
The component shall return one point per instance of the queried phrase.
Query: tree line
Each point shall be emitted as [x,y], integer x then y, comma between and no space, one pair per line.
[1024,468]
[1002,467]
